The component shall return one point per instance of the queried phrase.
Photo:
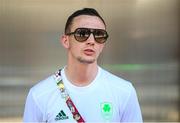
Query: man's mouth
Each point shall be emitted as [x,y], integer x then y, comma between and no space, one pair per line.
[89,52]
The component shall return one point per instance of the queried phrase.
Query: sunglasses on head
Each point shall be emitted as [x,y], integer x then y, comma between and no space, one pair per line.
[82,34]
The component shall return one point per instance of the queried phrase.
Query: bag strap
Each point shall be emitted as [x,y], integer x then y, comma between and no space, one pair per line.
[65,95]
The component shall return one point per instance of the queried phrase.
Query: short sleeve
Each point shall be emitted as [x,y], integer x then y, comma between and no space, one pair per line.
[132,112]
[32,112]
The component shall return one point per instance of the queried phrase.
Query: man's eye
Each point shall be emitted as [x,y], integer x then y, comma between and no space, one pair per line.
[100,34]
[82,33]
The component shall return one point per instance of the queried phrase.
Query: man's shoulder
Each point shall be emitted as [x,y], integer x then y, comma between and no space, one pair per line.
[116,81]
[44,86]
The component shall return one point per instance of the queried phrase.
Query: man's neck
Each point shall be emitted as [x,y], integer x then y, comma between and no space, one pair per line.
[81,74]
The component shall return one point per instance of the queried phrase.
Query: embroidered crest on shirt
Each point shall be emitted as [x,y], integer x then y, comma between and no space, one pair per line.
[61,116]
[106,110]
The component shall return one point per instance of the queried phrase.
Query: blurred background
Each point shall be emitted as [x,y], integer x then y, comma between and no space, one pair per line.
[143,48]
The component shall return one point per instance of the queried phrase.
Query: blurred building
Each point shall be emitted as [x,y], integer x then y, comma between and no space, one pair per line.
[143,48]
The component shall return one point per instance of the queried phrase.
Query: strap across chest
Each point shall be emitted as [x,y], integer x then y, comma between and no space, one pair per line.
[65,95]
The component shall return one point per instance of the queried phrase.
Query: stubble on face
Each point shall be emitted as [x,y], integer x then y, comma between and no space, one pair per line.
[85,61]
[81,59]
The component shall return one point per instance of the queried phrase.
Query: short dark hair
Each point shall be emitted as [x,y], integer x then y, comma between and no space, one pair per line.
[84,11]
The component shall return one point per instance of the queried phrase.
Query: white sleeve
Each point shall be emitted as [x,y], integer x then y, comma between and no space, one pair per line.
[132,112]
[32,112]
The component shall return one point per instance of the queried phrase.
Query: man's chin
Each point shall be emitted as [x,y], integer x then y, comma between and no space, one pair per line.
[86,61]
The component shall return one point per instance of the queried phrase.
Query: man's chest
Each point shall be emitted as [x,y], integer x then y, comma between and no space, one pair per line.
[94,108]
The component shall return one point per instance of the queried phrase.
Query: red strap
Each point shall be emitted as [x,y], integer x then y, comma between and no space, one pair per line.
[74,111]
[65,95]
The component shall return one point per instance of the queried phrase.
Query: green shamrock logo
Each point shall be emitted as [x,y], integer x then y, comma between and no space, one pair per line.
[106,110]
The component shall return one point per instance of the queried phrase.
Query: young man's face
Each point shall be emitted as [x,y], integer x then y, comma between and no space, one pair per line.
[89,50]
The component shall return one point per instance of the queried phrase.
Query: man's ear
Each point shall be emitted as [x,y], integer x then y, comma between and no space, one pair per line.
[65,41]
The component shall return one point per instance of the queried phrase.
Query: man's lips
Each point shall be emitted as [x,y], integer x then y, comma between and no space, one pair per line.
[89,51]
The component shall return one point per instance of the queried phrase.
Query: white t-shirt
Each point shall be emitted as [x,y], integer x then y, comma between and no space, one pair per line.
[108,98]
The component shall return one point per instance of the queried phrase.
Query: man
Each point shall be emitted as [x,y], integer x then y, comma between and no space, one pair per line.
[82,91]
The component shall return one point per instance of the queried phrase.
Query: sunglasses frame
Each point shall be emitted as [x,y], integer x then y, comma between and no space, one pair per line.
[91,31]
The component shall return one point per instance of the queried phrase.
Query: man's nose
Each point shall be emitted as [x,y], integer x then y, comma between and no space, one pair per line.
[91,39]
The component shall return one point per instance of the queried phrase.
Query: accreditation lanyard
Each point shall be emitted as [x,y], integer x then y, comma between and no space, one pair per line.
[65,95]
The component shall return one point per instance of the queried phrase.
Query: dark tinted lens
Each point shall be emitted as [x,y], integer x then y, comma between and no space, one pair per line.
[82,34]
[100,35]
